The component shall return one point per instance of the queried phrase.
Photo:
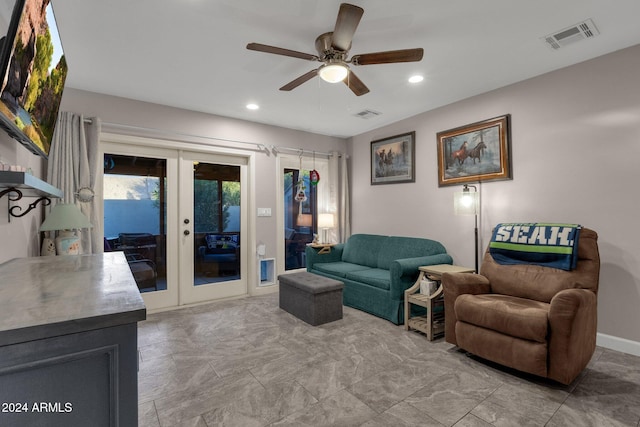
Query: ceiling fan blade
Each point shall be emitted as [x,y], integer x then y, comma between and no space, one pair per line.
[388,57]
[355,84]
[280,51]
[297,82]
[348,19]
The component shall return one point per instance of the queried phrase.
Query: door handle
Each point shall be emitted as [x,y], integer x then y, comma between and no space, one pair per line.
[186,232]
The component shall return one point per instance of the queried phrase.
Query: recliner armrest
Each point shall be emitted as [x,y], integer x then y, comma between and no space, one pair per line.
[573,321]
[455,284]
[465,283]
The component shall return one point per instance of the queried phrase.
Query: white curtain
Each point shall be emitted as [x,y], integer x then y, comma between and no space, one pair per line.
[73,165]
[339,201]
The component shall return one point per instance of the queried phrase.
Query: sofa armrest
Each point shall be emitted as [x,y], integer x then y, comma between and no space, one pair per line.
[313,257]
[404,272]
[573,318]
[455,284]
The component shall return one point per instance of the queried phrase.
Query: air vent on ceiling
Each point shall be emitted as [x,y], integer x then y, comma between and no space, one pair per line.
[581,31]
[367,114]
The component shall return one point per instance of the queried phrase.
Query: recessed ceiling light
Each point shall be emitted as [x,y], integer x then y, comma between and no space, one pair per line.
[253,106]
[416,79]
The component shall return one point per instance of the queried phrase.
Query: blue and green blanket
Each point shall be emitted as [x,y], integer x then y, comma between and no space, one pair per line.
[547,244]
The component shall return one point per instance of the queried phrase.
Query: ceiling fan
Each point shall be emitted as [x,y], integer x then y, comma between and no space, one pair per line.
[333,48]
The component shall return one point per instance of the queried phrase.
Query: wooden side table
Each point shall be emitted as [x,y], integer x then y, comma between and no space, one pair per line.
[432,323]
[325,248]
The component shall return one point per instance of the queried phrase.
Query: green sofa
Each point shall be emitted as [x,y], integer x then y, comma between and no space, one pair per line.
[376,270]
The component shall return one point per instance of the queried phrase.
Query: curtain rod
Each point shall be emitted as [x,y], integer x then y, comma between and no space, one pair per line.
[275,149]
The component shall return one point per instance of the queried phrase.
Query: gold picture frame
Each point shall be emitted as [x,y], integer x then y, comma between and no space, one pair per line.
[476,152]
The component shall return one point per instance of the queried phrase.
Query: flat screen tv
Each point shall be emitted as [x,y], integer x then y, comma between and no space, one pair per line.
[33,70]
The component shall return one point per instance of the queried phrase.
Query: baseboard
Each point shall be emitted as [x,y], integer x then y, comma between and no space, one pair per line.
[618,344]
[264,290]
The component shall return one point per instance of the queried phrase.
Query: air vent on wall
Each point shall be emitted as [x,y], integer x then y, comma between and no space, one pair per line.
[581,31]
[367,114]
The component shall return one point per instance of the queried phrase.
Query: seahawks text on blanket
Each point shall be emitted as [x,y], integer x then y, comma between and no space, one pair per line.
[549,245]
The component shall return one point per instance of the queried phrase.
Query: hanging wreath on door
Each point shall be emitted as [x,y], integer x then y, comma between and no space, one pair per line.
[314,176]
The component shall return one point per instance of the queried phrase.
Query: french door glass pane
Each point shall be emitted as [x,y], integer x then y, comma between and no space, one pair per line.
[299,216]
[216,214]
[135,216]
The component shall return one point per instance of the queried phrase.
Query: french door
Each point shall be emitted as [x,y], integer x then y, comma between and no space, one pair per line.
[212,211]
[180,217]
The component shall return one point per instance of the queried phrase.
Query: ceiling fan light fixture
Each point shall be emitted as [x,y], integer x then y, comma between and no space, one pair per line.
[333,72]
[333,52]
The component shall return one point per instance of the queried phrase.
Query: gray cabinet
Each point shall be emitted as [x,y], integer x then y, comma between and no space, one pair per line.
[68,341]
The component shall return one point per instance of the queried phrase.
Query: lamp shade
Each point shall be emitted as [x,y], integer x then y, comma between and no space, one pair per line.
[65,216]
[325,220]
[304,220]
[333,73]
[465,203]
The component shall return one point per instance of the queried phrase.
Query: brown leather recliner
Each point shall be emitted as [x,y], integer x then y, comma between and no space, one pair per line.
[531,318]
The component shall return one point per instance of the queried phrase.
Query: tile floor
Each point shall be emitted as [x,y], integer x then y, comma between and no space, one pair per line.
[247,363]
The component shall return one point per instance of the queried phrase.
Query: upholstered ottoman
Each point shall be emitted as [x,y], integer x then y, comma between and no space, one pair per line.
[310,297]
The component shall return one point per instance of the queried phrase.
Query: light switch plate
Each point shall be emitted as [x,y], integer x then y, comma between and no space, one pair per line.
[264,211]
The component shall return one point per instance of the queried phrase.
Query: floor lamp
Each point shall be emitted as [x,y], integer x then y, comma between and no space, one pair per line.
[467,203]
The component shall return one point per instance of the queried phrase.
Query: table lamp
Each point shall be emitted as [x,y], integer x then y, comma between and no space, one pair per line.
[325,222]
[64,218]
[304,220]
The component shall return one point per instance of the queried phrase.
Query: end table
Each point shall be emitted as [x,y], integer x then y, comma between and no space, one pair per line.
[325,248]
[432,323]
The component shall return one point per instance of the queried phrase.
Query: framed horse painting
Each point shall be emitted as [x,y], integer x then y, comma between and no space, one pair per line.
[476,152]
[393,159]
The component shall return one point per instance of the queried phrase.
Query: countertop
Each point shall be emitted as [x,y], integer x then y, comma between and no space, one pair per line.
[44,297]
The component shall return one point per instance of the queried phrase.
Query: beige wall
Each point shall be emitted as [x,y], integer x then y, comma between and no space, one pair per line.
[19,236]
[576,150]
[576,157]
[177,121]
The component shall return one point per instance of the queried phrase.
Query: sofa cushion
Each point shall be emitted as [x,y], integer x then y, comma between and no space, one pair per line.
[339,268]
[395,247]
[374,276]
[363,249]
[517,317]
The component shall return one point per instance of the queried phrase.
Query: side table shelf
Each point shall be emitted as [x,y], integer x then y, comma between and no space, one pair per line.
[431,324]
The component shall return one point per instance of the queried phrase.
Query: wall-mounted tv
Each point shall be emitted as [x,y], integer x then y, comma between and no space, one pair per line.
[33,70]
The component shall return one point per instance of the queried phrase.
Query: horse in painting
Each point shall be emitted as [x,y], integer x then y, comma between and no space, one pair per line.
[461,154]
[477,152]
